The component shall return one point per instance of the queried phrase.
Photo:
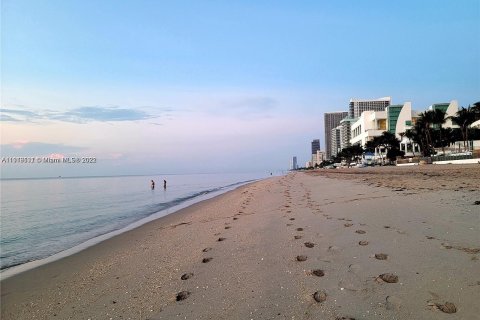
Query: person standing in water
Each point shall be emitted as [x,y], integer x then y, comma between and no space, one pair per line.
[164,184]
[153,184]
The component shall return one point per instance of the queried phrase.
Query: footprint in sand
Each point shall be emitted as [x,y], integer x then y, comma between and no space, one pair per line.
[182,295]
[318,272]
[363,243]
[302,258]
[309,244]
[206,249]
[348,225]
[333,249]
[297,237]
[360,231]
[388,277]
[448,307]
[299,229]
[292,219]
[393,303]
[320,296]
[381,256]
[221,239]
[205,260]
[235,218]
[227,227]
[186,276]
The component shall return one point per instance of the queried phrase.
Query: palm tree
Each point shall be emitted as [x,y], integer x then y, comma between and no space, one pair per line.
[419,135]
[438,119]
[410,135]
[351,153]
[476,110]
[426,120]
[386,140]
[464,118]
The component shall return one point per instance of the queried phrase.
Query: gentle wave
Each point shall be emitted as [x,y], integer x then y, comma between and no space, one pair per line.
[82,231]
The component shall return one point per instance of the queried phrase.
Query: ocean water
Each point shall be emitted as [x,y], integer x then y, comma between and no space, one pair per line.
[41,218]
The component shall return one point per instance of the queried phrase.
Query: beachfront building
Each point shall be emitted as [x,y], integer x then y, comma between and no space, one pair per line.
[396,119]
[318,158]
[315,146]
[335,141]
[450,109]
[293,163]
[345,132]
[355,109]
[357,106]
[399,118]
[331,121]
[371,124]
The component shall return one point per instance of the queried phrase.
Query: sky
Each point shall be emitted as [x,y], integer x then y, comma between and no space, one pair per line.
[151,87]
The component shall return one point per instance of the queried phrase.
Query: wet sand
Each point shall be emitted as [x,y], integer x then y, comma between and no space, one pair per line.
[318,245]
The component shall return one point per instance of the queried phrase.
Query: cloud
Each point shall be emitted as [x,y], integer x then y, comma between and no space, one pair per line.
[86,114]
[32,149]
[17,115]
[5,117]
[81,114]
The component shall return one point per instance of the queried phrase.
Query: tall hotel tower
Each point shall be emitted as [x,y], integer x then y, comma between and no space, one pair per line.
[357,106]
[315,146]
[331,121]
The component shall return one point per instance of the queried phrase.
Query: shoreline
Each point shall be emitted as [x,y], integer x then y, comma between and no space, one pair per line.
[257,252]
[18,269]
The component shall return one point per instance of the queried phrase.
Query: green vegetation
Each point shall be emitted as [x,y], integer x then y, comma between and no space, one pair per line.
[429,133]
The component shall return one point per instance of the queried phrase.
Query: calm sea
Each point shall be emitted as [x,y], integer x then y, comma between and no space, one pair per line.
[41,218]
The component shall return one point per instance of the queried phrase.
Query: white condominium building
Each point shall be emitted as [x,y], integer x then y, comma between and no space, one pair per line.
[371,124]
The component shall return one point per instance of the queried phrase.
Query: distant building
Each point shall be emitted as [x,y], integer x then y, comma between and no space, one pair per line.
[345,132]
[315,146]
[331,121]
[355,109]
[335,141]
[357,106]
[317,158]
[293,163]
[396,119]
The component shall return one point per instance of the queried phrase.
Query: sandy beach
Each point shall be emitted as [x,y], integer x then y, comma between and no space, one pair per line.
[370,243]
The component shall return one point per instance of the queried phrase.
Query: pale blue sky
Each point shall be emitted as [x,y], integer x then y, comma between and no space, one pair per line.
[204,86]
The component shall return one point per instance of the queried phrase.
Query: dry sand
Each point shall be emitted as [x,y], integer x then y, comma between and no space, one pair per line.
[283,248]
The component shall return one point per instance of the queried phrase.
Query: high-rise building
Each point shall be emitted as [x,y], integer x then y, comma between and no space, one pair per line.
[345,134]
[331,121]
[293,163]
[317,158]
[315,146]
[335,141]
[357,106]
